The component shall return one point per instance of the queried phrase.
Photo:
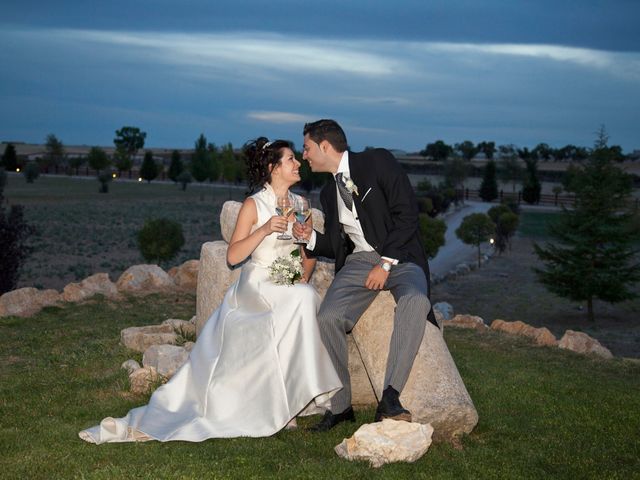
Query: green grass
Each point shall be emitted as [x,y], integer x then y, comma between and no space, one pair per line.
[544,413]
[536,224]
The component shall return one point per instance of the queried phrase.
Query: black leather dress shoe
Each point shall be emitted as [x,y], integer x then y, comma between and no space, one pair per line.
[390,407]
[330,420]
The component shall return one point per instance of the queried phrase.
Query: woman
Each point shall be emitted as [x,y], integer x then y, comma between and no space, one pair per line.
[259,360]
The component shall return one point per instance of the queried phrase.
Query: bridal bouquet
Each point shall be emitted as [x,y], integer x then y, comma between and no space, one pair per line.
[286,270]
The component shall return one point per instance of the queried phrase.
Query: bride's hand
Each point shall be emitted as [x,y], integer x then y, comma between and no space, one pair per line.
[277,223]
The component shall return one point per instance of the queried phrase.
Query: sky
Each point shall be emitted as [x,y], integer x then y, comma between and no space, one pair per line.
[395,74]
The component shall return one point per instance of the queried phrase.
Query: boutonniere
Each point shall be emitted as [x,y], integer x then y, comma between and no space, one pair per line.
[350,186]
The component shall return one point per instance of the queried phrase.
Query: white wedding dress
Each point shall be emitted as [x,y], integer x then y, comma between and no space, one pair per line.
[257,363]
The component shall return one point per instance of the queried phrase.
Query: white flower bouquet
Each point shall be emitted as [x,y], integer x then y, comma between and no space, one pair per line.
[286,270]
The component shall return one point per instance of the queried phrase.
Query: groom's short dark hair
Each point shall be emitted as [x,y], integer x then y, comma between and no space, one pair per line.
[328,130]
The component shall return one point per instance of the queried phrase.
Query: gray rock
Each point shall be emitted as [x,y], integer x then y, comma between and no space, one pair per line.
[435,392]
[462,269]
[166,359]
[144,380]
[387,442]
[182,327]
[214,278]
[445,309]
[141,338]
[228,217]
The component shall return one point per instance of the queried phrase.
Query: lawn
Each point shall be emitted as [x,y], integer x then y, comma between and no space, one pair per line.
[80,232]
[544,413]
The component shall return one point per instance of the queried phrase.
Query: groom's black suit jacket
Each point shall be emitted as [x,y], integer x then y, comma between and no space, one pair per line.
[386,208]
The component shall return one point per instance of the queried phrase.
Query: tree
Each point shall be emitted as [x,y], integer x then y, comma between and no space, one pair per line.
[200,163]
[14,233]
[76,162]
[506,222]
[432,232]
[122,160]
[98,159]
[104,178]
[229,164]
[476,229]
[488,148]
[54,151]
[456,172]
[149,169]
[438,151]
[128,141]
[542,151]
[510,171]
[489,185]
[160,240]
[531,188]
[10,158]
[176,166]
[467,150]
[593,254]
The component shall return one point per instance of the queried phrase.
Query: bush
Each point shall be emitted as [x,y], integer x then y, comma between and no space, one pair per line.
[104,178]
[476,229]
[425,205]
[160,240]
[184,178]
[432,232]
[495,212]
[506,226]
[31,172]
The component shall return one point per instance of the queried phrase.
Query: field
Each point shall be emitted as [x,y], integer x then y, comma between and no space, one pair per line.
[81,232]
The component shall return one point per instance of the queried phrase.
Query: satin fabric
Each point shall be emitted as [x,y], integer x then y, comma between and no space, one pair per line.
[257,363]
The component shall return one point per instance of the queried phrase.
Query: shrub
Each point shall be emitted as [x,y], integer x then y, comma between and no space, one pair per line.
[432,232]
[425,205]
[476,229]
[495,212]
[160,240]
[184,178]
[506,226]
[104,178]
[31,172]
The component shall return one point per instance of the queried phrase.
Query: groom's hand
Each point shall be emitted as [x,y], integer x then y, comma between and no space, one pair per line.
[302,230]
[376,279]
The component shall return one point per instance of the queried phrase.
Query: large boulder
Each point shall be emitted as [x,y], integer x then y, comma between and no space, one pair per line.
[98,284]
[144,279]
[228,217]
[214,278]
[386,442]
[166,359]
[141,338]
[435,392]
[445,309]
[541,336]
[580,342]
[144,380]
[28,301]
[185,276]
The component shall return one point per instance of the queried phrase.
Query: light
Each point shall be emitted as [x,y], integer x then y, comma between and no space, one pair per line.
[491,241]
[18,170]
[113,175]
[139,179]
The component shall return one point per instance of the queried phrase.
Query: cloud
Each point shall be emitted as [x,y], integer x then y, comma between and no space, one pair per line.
[278,117]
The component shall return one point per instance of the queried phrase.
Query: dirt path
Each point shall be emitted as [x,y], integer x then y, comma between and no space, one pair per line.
[506,288]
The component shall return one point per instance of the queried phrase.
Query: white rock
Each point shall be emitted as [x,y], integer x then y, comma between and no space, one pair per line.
[445,309]
[90,286]
[580,342]
[228,217]
[144,279]
[143,380]
[386,442]
[141,338]
[130,366]
[28,301]
[466,321]
[166,359]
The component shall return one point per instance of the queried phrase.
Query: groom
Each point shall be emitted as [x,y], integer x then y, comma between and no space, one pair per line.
[371,230]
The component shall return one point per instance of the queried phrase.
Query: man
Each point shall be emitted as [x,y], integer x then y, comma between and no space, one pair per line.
[371,230]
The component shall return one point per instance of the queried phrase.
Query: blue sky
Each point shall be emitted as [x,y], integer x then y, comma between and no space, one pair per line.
[394,74]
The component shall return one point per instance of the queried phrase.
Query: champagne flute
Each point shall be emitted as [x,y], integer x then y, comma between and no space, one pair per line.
[302,212]
[284,209]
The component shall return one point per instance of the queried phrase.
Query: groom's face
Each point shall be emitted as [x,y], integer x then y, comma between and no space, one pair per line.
[315,155]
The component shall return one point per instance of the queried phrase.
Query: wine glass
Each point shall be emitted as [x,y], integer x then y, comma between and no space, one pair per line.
[302,212]
[284,208]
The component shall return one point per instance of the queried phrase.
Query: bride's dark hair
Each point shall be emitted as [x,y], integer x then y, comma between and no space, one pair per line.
[262,156]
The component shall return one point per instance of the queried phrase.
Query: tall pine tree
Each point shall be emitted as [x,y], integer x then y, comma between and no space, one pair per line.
[489,185]
[593,255]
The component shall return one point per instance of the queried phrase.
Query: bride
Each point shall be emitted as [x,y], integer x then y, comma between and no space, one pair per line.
[259,360]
